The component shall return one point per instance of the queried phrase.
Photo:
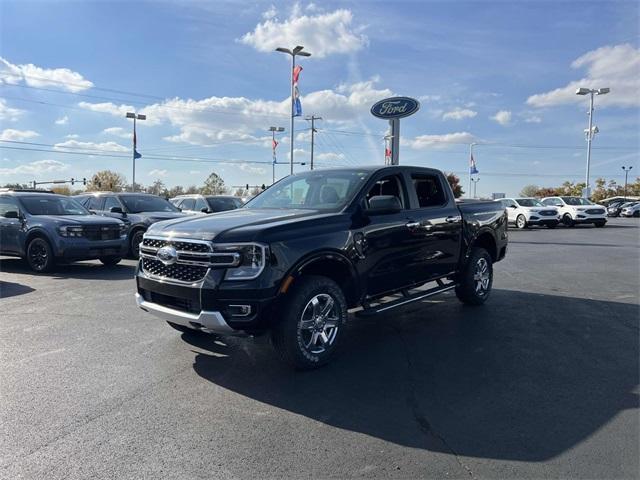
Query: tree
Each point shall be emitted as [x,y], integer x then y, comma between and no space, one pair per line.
[240,192]
[255,191]
[213,185]
[18,186]
[157,188]
[454,181]
[175,191]
[61,190]
[529,191]
[191,189]
[106,180]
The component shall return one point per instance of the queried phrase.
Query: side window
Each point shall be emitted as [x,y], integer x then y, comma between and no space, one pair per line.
[428,190]
[187,204]
[8,205]
[390,185]
[511,203]
[200,204]
[111,202]
[95,203]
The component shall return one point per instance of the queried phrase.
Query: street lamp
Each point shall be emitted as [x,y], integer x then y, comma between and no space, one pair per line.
[590,132]
[626,173]
[273,131]
[135,117]
[475,185]
[299,50]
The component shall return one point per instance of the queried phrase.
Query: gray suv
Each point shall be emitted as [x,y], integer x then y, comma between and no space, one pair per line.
[137,210]
[45,228]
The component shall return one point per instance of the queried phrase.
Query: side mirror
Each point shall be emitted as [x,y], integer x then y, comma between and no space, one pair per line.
[116,210]
[512,206]
[204,210]
[12,214]
[383,205]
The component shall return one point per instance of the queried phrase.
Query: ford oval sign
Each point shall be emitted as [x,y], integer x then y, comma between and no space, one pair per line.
[395,107]
[167,255]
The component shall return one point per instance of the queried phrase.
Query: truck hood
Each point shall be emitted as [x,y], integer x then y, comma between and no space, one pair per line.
[207,227]
[80,219]
[158,216]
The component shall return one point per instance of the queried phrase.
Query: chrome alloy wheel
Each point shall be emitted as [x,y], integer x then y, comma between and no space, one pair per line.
[318,325]
[482,277]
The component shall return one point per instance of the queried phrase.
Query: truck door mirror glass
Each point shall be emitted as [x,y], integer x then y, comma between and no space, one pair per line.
[204,210]
[116,210]
[12,214]
[384,204]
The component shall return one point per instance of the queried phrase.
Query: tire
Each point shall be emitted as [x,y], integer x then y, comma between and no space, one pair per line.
[636,214]
[39,255]
[111,260]
[187,330]
[134,244]
[552,225]
[599,224]
[473,290]
[521,222]
[568,221]
[314,313]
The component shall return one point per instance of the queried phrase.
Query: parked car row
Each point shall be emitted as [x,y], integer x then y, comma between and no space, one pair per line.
[624,209]
[551,211]
[45,228]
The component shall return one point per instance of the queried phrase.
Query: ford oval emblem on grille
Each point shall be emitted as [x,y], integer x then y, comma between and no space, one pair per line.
[167,255]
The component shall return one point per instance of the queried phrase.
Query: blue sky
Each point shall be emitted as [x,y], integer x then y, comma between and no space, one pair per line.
[501,74]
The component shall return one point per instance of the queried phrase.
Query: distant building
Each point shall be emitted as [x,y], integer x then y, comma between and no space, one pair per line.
[496,196]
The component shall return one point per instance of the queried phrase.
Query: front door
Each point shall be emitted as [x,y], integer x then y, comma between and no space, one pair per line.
[10,227]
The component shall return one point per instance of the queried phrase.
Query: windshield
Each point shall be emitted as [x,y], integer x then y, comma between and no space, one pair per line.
[147,203]
[529,202]
[221,204]
[52,205]
[577,201]
[316,190]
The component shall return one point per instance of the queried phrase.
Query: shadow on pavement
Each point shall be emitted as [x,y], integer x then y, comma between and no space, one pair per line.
[525,377]
[93,270]
[11,289]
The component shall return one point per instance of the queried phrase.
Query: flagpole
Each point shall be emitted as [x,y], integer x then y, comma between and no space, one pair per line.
[293,67]
[133,183]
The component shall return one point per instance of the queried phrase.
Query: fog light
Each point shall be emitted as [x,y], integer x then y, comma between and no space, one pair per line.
[240,310]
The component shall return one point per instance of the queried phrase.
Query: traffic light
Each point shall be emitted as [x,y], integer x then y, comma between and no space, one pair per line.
[73,181]
[263,187]
[84,181]
[246,187]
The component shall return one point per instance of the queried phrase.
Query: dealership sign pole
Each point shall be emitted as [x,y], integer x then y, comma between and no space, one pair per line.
[393,109]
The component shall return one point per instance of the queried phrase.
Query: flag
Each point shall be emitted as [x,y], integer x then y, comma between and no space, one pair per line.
[472,166]
[297,106]
[135,151]
[274,144]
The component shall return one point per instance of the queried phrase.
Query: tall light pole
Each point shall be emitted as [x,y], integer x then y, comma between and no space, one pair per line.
[472,164]
[273,131]
[296,51]
[590,131]
[313,119]
[626,173]
[136,155]
[475,184]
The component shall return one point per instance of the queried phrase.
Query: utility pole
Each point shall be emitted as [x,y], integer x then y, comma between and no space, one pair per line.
[312,118]
[626,173]
[590,132]
[475,185]
[136,155]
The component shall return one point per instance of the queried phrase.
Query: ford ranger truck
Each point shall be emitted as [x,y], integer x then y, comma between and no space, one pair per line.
[295,259]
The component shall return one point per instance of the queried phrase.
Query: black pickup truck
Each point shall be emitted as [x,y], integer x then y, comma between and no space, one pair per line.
[297,257]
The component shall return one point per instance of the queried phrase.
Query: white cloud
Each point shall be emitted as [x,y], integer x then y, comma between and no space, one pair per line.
[248,168]
[459,114]
[322,34]
[7,113]
[117,132]
[61,78]
[110,146]
[107,107]
[503,117]
[616,67]
[438,141]
[62,121]
[158,173]
[72,135]
[10,134]
[35,168]
[329,156]
[194,172]
[270,13]
[533,119]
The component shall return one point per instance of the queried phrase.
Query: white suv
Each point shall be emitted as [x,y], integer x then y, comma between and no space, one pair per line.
[574,210]
[631,210]
[529,211]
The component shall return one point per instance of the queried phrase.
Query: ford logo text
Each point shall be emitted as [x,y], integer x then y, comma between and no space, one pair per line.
[395,107]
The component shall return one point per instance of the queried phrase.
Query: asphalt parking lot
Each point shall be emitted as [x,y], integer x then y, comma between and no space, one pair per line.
[542,382]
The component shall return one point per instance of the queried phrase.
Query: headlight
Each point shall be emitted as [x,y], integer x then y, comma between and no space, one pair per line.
[123,229]
[248,260]
[70,231]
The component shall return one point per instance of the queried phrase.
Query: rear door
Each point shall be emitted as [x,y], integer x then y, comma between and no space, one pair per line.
[511,208]
[9,227]
[435,226]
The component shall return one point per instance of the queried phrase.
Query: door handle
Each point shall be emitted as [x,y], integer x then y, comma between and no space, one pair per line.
[412,225]
[415,225]
[455,219]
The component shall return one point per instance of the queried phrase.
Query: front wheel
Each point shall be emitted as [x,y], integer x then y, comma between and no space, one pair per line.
[476,279]
[308,334]
[568,221]
[599,224]
[39,255]
[134,243]
[521,222]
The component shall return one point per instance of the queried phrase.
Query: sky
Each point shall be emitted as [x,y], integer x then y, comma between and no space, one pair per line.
[500,74]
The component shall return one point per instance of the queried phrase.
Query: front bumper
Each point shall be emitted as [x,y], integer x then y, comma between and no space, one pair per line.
[84,249]
[543,221]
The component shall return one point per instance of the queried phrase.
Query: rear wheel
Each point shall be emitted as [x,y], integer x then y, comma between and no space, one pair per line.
[111,260]
[568,221]
[308,334]
[521,222]
[134,243]
[39,255]
[476,279]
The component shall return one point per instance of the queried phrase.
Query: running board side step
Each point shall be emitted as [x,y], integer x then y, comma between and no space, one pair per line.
[406,300]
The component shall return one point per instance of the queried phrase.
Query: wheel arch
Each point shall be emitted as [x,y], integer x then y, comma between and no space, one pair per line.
[485,239]
[36,233]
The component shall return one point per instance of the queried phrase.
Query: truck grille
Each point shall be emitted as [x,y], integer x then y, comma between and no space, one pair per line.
[155,243]
[101,232]
[177,271]
[595,211]
[548,213]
